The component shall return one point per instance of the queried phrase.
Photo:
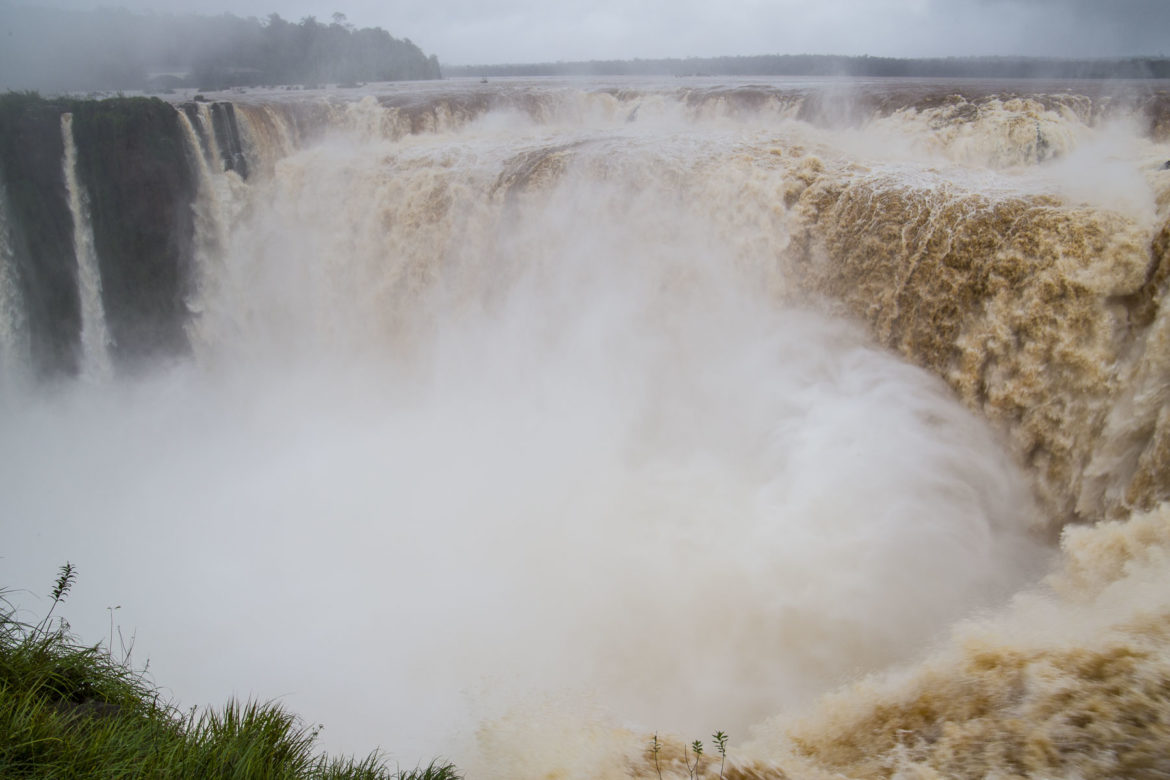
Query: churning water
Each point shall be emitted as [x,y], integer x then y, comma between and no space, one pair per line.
[522,421]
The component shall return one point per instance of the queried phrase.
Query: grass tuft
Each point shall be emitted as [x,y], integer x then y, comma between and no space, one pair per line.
[69,710]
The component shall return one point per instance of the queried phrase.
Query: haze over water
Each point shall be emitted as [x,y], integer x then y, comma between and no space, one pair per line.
[524,419]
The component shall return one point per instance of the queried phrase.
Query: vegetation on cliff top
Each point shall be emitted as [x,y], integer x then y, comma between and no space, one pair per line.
[58,50]
[820,65]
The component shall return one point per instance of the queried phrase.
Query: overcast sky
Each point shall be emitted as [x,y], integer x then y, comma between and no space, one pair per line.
[499,31]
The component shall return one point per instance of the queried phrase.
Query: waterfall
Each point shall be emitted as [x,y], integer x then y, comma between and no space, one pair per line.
[549,415]
[14,358]
[220,197]
[95,338]
[211,144]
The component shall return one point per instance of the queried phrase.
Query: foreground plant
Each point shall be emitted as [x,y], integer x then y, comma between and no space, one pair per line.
[696,747]
[66,576]
[69,710]
[721,746]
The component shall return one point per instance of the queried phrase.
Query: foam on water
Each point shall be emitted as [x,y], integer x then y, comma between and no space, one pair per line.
[519,431]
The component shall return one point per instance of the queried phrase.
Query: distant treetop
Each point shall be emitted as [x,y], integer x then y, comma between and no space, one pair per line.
[834,65]
[56,50]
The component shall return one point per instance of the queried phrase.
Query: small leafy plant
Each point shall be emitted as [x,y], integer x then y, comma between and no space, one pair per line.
[66,576]
[721,746]
[656,748]
[696,747]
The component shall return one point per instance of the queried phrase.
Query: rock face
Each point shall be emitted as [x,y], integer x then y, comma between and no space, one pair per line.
[40,230]
[134,163]
[139,190]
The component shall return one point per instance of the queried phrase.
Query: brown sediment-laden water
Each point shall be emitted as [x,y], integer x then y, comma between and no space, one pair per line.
[518,422]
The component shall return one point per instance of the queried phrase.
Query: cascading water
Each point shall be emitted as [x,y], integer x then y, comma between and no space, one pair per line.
[523,422]
[95,338]
[13,346]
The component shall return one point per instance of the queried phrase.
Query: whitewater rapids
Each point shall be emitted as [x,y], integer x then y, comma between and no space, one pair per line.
[522,421]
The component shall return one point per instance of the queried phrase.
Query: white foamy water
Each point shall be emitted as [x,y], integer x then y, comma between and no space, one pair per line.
[13,336]
[95,337]
[522,422]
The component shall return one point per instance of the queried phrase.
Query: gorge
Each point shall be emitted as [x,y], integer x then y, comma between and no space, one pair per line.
[519,421]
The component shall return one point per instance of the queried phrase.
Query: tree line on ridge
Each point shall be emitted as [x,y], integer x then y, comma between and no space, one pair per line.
[57,50]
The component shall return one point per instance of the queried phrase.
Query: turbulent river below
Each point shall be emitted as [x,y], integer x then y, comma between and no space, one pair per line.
[517,422]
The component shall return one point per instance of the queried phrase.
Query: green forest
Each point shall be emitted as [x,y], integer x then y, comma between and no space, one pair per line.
[56,50]
[276,51]
[833,65]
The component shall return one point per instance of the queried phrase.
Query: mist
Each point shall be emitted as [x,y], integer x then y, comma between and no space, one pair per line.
[82,45]
[105,50]
[442,457]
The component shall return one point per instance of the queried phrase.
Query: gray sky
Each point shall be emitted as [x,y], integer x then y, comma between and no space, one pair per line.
[497,31]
